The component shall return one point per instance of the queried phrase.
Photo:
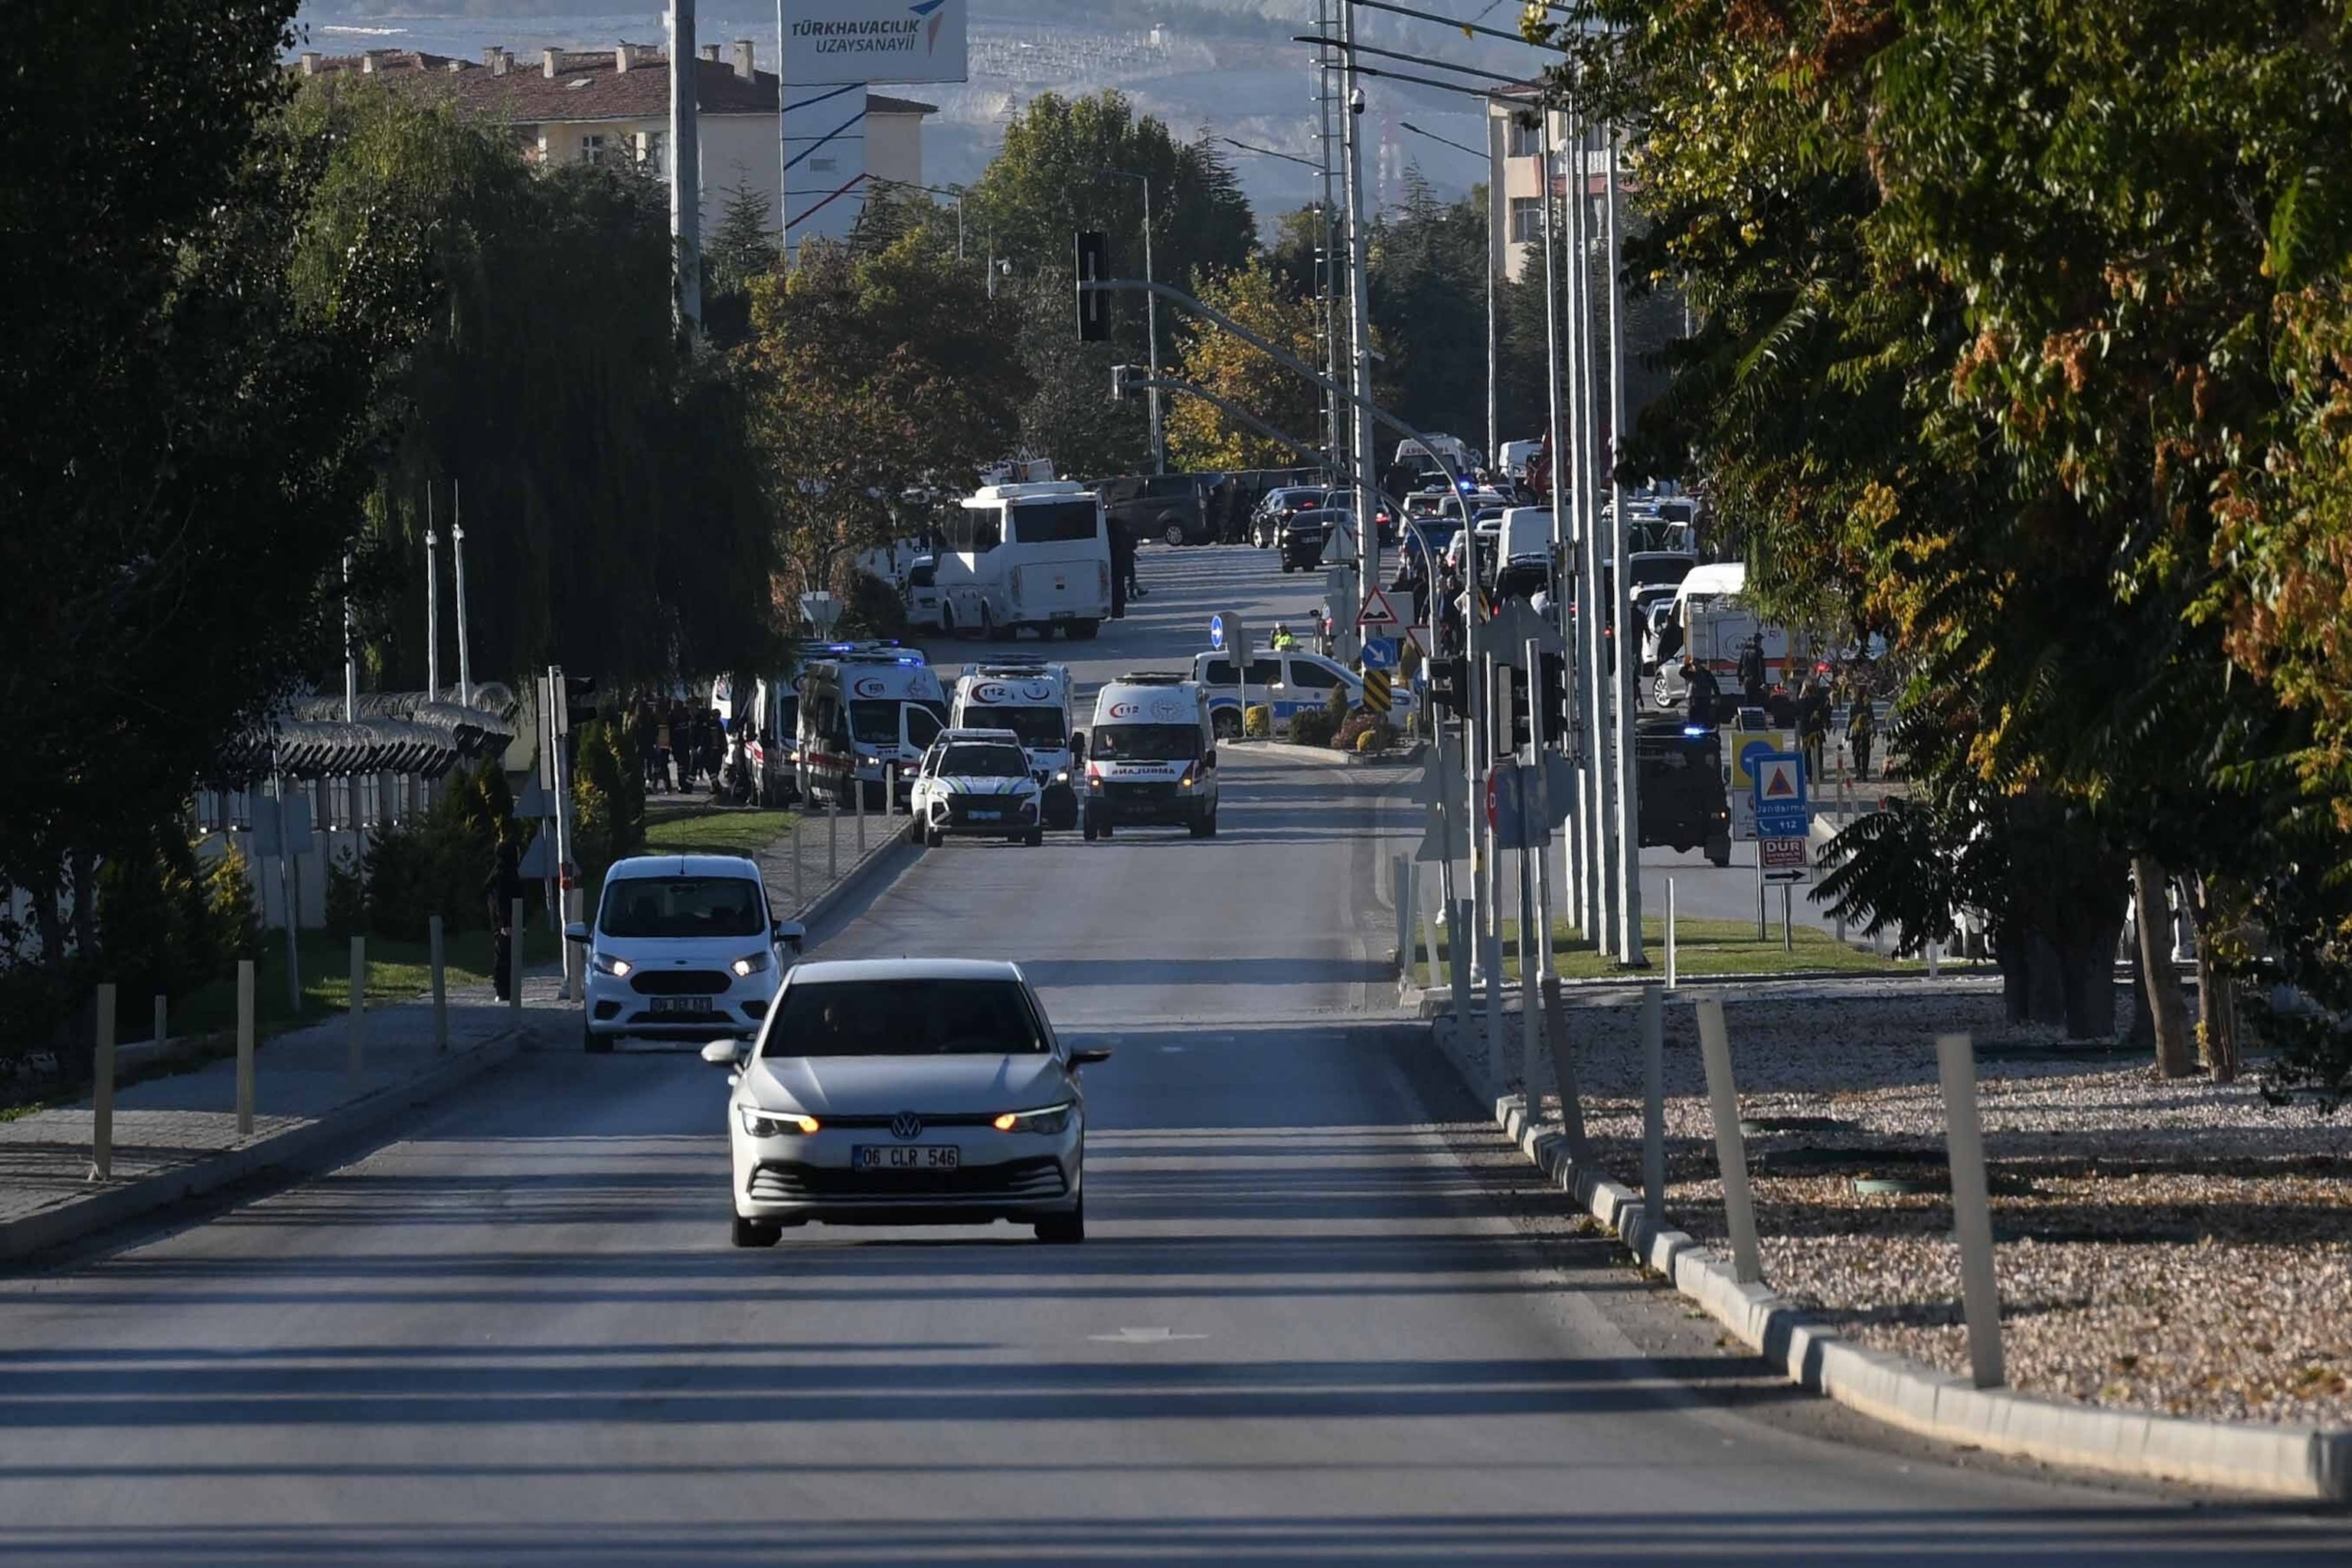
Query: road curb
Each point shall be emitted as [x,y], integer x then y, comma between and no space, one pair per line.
[1437,1002]
[2305,1462]
[868,870]
[85,1214]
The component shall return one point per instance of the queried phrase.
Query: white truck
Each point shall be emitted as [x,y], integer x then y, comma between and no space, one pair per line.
[1150,757]
[1032,699]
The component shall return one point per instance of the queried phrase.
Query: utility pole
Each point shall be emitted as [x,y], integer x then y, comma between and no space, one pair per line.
[1328,270]
[1562,539]
[1628,779]
[1359,427]
[351,646]
[1151,326]
[1497,250]
[686,168]
[1568,471]
[1595,599]
[457,560]
[432,602]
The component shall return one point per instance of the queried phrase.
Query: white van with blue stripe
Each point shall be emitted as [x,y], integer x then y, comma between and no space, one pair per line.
[1284,682]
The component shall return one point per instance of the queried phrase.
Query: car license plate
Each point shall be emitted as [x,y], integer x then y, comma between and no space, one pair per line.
[680,1004]
[986,816]
[914,1157]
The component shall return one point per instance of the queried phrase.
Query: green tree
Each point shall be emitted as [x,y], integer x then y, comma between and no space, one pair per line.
[1201,435]
[188,436]
[741,249]
[877,375]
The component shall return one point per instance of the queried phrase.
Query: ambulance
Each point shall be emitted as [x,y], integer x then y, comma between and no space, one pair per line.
[1032,699]
[1151,758]
[863,714]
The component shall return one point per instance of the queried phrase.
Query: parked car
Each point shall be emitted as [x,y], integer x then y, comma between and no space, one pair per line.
[1173,508]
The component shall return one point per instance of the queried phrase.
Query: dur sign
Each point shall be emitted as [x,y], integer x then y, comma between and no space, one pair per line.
[830,41]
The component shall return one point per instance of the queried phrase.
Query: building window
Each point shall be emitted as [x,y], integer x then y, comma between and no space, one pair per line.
[651,154]
[1526,220]
[1526,138]
[592,148]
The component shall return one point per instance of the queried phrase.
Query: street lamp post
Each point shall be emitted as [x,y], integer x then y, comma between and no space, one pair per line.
[432,602]
[1324,277]
[1150,317]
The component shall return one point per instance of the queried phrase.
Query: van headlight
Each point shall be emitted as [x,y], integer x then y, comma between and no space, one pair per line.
[750,963]
[605,963]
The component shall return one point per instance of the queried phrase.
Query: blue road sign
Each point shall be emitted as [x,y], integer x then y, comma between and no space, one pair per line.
[1217,632]
[1781,809]
[1380,653]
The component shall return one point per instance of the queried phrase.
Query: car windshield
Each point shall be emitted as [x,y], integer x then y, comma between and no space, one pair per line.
[1056,521]
[1038,726]
[1146,742]
[682,906]
[876,723]
[905,1017]
[984,762]
[1655,569]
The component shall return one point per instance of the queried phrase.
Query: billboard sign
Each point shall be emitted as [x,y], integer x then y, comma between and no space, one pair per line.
[830,41]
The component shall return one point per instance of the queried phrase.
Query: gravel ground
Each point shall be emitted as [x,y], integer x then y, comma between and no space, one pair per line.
[2182,1247]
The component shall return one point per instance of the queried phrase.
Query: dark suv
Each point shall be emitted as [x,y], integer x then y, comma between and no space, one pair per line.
[1169,507]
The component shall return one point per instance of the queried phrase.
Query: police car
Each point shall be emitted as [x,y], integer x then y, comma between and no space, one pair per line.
[1032,699]
[976,783]
[1284,682]
[1150,757]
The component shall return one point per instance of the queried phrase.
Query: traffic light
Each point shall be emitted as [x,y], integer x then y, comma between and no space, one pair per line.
[1559,707]
[579,700]
[1448,681]
[1091,255]
[1520,731]
[1118,376]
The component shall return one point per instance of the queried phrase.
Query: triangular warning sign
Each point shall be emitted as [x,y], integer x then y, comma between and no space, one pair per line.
[1780,784]
[1376,611]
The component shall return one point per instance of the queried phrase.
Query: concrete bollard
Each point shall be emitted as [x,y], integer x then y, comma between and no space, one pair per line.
[1654,1108]
[440,983]
[1934,959]
[1459,937]
[160,1032]
[1490,944]
[1400,889]
[1672,978]
[1730,1146]
[858,789]
[799,900]
[832,842]
[102,1089]
[1971,1208]
[356,1054]
[245,1047]
[514,963]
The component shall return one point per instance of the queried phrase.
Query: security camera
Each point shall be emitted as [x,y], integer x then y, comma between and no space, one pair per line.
[1356,100]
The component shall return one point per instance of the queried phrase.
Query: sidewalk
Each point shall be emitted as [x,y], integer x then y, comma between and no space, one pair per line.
[176,1135]
[824,877]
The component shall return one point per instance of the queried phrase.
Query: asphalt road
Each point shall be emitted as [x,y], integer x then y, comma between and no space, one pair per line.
[1300,1333]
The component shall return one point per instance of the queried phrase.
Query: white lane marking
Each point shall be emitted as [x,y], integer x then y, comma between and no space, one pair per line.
[1143,1337]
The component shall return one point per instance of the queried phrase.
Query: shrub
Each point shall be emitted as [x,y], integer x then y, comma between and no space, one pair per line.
[1313,727]
[1371,739]
[608,799]
[405,888]
[231,909]
[1257,722]
[153,932]
[346,897]
[1351,730]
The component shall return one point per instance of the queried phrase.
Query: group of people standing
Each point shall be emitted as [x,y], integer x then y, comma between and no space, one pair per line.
[680,746]
[1807,709]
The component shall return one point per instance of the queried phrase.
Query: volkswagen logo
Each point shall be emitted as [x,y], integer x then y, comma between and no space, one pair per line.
[905,1127]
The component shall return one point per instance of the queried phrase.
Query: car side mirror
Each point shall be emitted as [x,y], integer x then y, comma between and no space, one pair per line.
[721,1053]
[576,931]
[792,933]
[1209,760]
[1089,1055]
[1078,746]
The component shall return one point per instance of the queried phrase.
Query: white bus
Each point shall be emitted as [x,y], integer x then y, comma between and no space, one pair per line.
[1034,555]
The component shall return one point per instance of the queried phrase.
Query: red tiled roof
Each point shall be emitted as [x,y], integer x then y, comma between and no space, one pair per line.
[586,86]
[877,103]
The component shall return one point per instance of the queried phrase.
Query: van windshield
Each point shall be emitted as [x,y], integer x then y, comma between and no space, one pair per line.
[1146,742]
[874,723]
[1040,729]
[666,907]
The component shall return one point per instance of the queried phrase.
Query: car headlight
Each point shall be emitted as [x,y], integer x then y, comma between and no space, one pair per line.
[1045,1119]
[750,963]
[607,964]
[1063,777]
[1186,781]
[761,1124]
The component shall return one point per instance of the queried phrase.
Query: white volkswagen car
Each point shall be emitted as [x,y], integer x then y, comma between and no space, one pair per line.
[976,783]
[683,947]
[907,1091]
